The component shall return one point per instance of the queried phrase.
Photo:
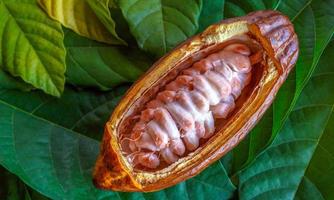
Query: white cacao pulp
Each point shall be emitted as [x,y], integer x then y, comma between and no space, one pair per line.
[185,111]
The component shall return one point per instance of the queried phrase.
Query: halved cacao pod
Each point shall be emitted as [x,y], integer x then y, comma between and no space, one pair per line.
[272,43]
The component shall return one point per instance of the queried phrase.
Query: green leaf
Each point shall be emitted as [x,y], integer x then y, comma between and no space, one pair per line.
[84,112]
[235,8]
[101,9]
[314,25]
[9,82]
[212,12]
[299,163]
[159,26]
[43,142]
[122,27]
[80,17]
[218,185]
[112,4]
[31,46]
[92,64]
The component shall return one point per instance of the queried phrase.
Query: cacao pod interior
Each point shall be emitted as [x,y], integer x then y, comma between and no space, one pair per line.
[130,120]
[278,45]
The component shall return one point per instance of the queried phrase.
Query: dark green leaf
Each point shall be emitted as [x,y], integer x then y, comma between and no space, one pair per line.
[84,112]
[9,82]
[232,10]
[299,163]
[239,8]
[93,64]
[211,184]
[159,26]
[31,45]
[212,12]
[12,188]
[122,27]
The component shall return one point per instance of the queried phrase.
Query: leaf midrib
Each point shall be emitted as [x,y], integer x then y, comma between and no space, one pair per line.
[15,150]
[89,112]
[109,68]
[301,10]
[163,27]
[83,69]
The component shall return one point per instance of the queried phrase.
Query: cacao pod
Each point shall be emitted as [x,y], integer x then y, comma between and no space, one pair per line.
[196,103]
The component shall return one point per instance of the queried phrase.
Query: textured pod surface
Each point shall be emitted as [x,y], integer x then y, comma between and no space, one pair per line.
[158,153]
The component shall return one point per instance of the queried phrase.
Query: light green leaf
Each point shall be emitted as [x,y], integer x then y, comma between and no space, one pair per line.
[299,163]
[92,64]
[31,46]
[101,9]
[79,16]
[159,26]
[314,25]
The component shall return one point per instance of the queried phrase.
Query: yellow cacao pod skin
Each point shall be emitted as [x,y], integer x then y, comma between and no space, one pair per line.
[279,46]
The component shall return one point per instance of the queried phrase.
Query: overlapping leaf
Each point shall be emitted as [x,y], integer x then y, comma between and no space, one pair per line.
[299,163]
[160,25]
[212,12]
[102,11]
[12,188]
[9,82]
[96,65]
[31,45]
[79,16]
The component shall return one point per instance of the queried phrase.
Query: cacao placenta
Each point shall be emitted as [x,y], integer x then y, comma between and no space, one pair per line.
[196,103]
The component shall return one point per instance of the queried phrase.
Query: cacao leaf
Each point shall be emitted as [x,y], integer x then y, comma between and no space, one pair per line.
[212,12]
[32,46]
[102,11]
[97,65]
